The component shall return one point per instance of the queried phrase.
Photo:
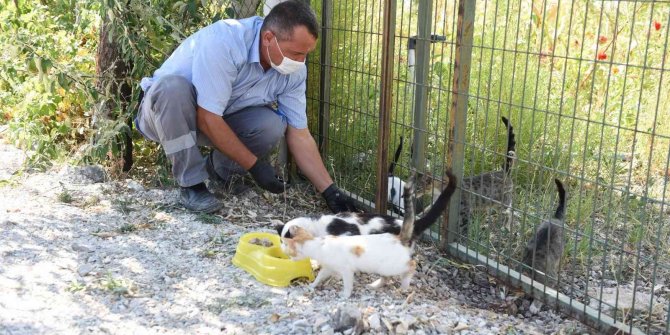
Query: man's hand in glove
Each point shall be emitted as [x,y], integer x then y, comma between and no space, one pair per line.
[265,176]
[338,201]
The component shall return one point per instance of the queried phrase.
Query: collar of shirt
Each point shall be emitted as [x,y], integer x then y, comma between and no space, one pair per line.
[254,52]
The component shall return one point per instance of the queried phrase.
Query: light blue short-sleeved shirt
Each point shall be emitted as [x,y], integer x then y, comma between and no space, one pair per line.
[222,61]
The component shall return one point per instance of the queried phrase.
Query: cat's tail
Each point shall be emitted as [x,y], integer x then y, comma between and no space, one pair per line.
[398,151]
[406,231]
[436,208]
[560,210]
[511,146]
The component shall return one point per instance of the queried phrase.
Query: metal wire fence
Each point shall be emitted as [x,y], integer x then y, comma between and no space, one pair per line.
[584,85]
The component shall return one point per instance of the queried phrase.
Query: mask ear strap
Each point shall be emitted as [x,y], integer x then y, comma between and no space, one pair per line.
[278,47]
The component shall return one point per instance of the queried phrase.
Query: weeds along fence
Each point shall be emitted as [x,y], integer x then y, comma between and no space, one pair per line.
[585,86]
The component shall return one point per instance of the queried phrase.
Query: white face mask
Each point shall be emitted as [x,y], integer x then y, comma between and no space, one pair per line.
[287,65]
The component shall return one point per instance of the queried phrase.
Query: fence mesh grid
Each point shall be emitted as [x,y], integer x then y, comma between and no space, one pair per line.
[584,84]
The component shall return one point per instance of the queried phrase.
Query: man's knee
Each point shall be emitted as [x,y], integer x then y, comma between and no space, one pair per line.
[261,124]
[169,117]
[273,126]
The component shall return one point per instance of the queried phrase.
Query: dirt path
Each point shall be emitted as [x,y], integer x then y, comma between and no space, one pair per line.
[79,254]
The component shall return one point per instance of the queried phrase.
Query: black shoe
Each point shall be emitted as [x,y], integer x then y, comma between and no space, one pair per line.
[232,185]
[198,199]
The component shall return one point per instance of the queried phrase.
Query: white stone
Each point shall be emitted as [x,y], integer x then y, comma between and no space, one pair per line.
[535,307]
[300,326]
[401,328]
[320,321]
[81,248]
[85,269]
[134,186]
[374,321]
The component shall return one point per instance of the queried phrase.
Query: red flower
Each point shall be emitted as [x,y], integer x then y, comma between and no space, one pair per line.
[657,25]
[602,55]
[602,39]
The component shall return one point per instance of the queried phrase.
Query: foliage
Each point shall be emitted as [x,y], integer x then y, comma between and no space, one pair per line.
[49,92]
[45,76]
[535,62]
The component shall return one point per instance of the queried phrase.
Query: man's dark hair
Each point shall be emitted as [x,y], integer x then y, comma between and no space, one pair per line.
[290,14]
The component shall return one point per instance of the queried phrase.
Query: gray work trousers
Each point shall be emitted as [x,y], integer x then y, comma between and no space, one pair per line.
[168,115]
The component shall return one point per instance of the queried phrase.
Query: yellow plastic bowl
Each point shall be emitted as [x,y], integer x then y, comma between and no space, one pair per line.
[269,265]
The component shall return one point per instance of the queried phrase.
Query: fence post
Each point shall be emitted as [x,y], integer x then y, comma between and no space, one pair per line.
[421,84]
[388,38]
[324,84]
[458,112]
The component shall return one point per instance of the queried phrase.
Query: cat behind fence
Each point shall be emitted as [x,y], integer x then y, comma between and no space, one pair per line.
[544,251]
[490,189]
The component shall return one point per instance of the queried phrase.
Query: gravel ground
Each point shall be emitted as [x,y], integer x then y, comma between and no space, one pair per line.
[82,254]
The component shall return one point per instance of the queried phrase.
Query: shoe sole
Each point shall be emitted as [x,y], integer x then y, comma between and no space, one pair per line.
[208,210]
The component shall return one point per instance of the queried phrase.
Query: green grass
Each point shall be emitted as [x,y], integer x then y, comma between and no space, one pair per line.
[123,205]
[210,253]
[219,239]
[128,228]
[599,125]
[76,286]
[209,218]
[117,286]
[65,197]
[551,94]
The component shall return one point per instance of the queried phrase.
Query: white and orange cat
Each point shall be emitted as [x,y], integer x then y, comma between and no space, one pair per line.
[385,254]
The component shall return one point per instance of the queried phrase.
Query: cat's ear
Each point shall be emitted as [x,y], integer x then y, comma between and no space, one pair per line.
[293,231]
[280,228]
[287,231]
[300,234]
[296,231]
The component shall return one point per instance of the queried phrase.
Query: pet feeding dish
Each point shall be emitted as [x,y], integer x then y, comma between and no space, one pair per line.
[269,265]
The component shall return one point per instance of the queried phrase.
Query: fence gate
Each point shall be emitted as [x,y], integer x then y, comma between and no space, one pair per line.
[585,87]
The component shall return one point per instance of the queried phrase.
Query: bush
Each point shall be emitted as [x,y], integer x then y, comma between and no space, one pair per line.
[50,93]
[46,76]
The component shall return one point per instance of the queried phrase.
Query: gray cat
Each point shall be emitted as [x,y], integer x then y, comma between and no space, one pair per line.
[491,188]
[545,249]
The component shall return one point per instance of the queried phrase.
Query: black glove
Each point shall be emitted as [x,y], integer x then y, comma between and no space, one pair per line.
[265,176]
[338,201]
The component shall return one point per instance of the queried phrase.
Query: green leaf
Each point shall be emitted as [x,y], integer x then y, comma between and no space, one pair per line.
[31,65]
[63,81]
[94,93]
[45,64]
[193,8]
[51,84]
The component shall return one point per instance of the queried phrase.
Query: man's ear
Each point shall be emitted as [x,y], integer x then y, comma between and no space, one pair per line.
[266,38]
